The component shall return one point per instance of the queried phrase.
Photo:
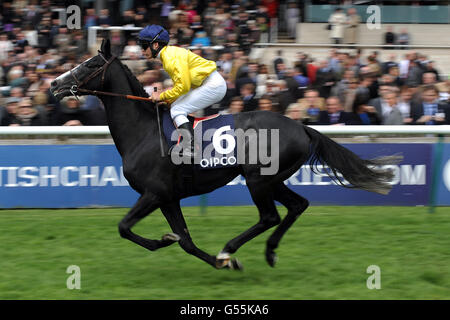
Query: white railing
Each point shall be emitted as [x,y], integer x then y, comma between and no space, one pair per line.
[333,130]
[354,46]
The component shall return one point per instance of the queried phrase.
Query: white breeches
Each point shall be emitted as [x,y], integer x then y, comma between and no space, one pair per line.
[211,91]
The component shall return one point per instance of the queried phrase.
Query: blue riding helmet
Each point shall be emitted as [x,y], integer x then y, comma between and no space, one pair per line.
[153,33]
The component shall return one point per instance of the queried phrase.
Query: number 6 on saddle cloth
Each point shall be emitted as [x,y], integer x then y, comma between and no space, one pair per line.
[215,134]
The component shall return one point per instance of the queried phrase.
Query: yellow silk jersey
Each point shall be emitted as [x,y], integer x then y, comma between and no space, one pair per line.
[186,69]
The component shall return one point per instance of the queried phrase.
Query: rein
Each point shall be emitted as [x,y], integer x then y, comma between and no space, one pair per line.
[104,93]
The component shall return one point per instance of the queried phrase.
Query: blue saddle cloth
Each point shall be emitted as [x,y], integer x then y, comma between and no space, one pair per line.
[214,135]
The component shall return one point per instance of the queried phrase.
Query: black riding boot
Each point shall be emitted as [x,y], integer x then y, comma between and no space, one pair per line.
[188,139]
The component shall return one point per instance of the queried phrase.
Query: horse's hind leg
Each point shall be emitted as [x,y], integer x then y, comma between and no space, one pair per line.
[143,207]
[295,204]
[172,212]
[269,217]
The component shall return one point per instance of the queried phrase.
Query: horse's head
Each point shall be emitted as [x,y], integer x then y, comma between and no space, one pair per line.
[89,75]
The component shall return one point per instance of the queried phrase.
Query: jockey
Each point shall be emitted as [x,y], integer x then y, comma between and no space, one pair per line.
[196,82]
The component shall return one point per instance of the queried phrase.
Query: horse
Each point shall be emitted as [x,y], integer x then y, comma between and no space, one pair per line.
[134,128]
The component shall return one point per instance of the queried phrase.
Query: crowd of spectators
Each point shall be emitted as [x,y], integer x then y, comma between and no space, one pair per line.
[348,87]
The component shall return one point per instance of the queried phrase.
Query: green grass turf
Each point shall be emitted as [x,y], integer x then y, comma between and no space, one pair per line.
[324,255]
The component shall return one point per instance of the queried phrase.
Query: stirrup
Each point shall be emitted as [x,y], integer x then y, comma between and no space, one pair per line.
[190,151]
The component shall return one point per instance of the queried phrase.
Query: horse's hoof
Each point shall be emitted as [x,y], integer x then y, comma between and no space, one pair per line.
[224,260]
[235,264]
[171,237]
[271,258]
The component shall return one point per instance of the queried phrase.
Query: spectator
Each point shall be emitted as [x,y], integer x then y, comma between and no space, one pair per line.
[236,106]
[165,12]
[310,106]
[373,66]
[379,101]
[8,113]
[429,67]
[353,20]
[72,113]
[391,113]
[117,42]
[342,85]
[63,40]
[404,65]
[365,114]
[415,72]
[263,25]
[429,78]
[283,96]
[132,50]
[338,21]
[389,37]
[403,39]
[292,17]
[277,62]
[265,103]
[404,103]
[248,97]
[201,39]
[196,24]
[104,19]
[302,62]
[272,8]
[33,83]
[225,62]
[334,115]
[391,62]
[395,74]
[5,46]
[429,110]
[325,79]
[90,18]
[311,70]
[16,92]
[444,90]
[27,115]
[349,95]
[334,61]
[44,35]
[294,112]
[302,80]
[261,78]
[128,18]
[79,43]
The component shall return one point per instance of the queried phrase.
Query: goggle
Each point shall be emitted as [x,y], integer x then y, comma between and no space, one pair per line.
[144,44]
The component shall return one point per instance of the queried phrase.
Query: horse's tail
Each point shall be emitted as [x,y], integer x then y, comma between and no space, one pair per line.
[344,164]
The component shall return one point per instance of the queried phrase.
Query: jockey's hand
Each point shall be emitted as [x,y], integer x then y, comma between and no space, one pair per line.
[155,96]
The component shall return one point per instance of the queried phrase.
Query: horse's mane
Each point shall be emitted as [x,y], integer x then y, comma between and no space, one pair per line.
[136,86]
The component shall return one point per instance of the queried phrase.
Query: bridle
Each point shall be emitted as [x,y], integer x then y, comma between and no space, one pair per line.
[77,87]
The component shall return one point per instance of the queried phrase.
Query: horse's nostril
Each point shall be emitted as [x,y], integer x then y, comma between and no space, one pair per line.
[54,83]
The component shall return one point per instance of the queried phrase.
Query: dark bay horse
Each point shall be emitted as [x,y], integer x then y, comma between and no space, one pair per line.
[134,129]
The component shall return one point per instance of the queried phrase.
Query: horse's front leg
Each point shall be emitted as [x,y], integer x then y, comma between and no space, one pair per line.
[174,216]
[146,204]
[269,217]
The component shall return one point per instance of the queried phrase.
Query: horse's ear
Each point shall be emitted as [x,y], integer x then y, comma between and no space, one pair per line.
[106,47]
